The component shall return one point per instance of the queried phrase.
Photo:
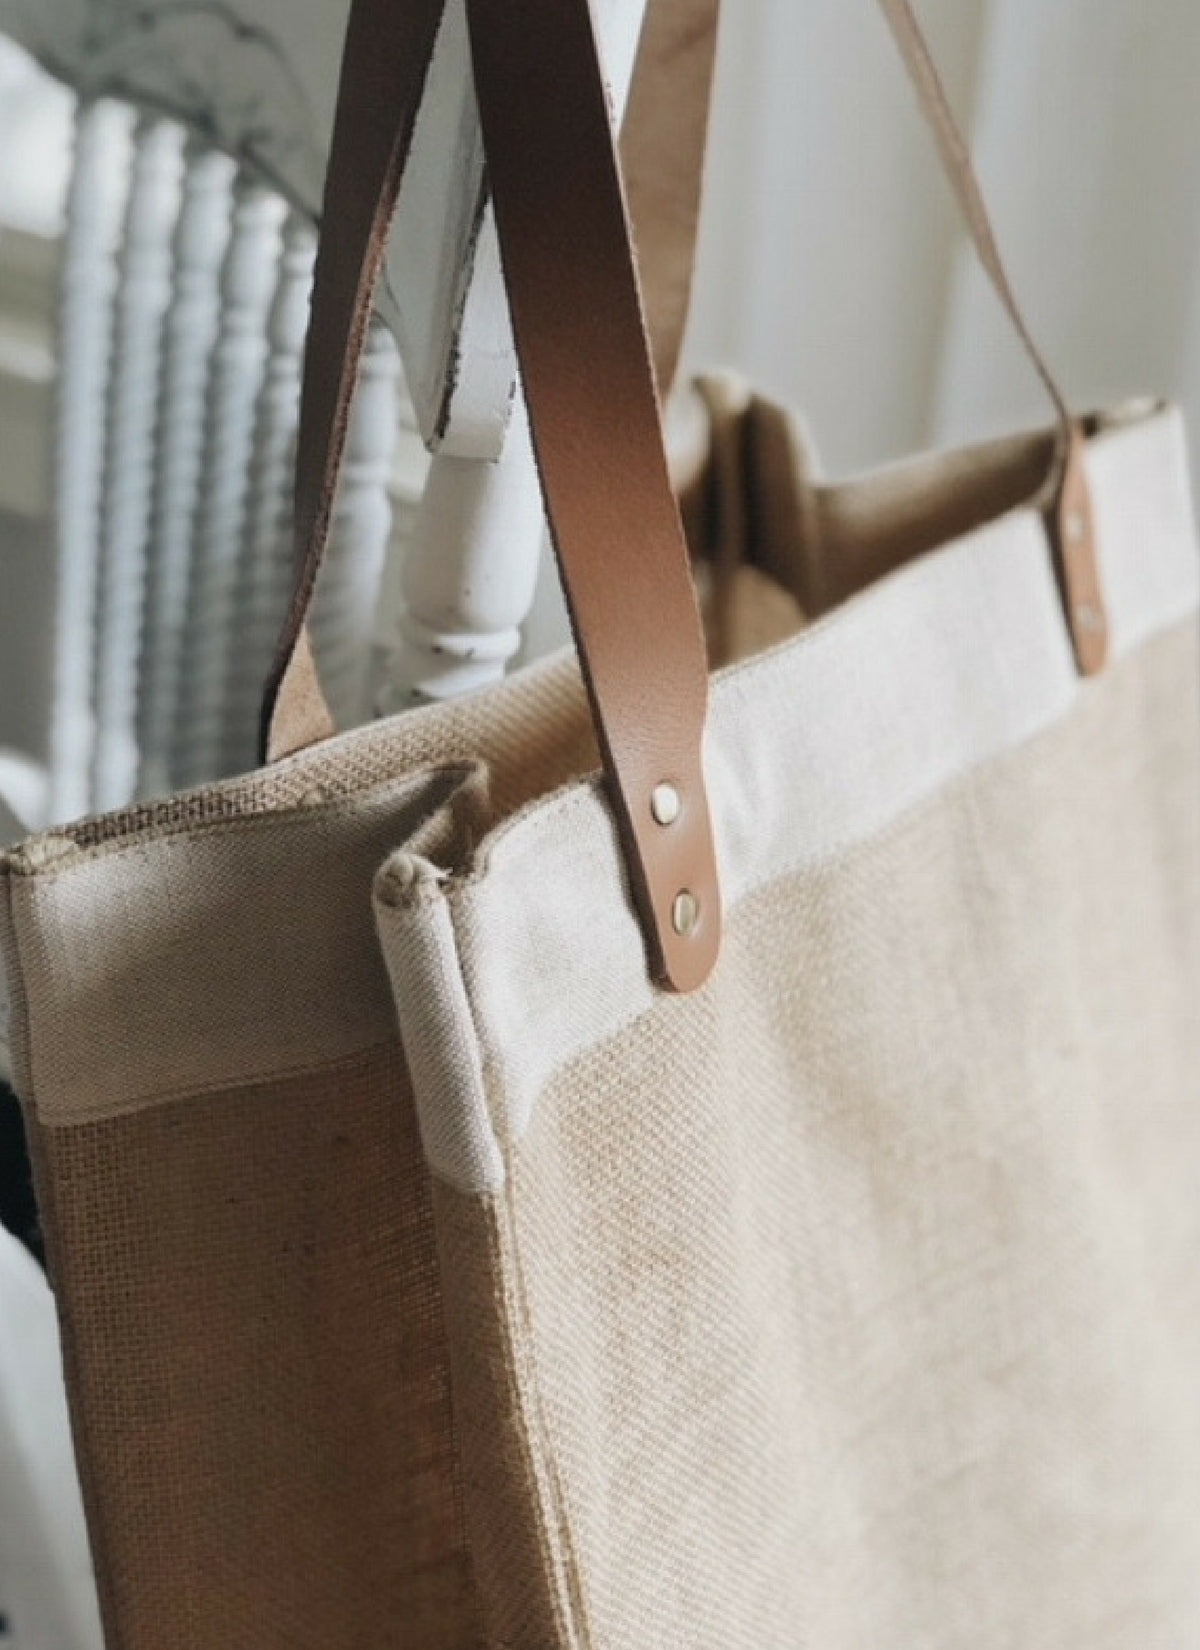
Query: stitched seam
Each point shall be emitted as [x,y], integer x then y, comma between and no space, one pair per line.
[554,1533]
[218,1085]
[185,832]
[99,1528]
[458,1475]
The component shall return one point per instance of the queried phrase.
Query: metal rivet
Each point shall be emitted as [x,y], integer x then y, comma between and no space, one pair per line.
[1076,526]
[1088,618]
[665,804]
[685,913]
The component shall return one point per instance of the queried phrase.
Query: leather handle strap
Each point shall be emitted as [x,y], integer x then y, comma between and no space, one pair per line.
[960,171]
[621,547]
[663,140]
[589,385]
[573,293]
[597,437]
[385,61]
[384,65]
[1070,513]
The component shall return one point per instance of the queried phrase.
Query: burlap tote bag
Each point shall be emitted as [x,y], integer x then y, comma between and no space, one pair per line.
[777,1220]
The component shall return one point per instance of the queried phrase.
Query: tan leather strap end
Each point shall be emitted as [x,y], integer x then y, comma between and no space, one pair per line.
[301,715]
[1073,535]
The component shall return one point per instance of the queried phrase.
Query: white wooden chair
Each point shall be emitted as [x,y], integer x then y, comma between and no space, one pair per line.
[184,273]
[181,313]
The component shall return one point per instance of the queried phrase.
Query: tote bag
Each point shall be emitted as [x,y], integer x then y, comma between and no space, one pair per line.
[744,1196]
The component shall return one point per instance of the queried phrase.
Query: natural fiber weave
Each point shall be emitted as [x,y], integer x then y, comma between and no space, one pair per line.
[849,1302]
[852,1301]
[258,1369]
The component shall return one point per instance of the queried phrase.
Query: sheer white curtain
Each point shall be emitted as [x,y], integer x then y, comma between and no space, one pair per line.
[833,267]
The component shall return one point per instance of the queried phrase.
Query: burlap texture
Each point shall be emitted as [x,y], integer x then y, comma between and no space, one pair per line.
[853,1301]
[253,1336]
[850,1302]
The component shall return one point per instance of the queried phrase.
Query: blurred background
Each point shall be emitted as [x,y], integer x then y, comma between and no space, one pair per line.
[152,298]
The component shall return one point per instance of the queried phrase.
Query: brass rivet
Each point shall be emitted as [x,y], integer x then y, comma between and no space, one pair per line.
[685,913]
[665,804]
[1076,527]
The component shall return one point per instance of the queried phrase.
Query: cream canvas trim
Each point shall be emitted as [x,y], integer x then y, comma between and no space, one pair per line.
[440,1045]
[195,960]
[811,749]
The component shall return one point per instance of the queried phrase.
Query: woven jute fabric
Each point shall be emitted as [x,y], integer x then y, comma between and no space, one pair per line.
[850,1301]
[268,1453]
[853,1301]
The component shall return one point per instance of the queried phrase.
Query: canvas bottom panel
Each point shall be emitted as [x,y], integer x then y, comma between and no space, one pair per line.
[252,1320]
[854,1300]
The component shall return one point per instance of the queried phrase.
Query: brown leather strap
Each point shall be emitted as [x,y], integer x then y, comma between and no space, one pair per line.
[385,59]
[663,140]
[1070,513]
[590,390]
[593,413]
[662,143]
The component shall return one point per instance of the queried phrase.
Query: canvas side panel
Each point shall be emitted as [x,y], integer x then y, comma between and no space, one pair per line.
[252,1313]
[860,1290]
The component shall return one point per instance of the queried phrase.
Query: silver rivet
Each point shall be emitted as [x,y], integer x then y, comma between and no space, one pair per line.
[685,913]
[1088,618]
[1076,527]
[665,804]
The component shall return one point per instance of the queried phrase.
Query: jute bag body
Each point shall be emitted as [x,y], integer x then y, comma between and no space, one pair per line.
[747,1197]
